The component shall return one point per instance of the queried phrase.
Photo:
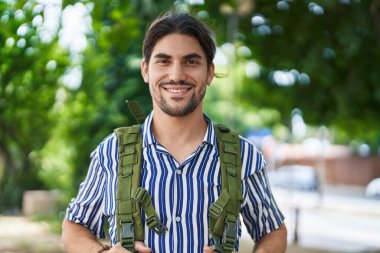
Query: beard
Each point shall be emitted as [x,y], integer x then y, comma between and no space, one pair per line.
[180,111]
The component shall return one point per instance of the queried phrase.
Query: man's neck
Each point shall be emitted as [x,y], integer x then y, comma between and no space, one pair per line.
[179,135]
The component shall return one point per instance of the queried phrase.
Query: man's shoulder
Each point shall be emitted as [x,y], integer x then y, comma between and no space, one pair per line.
[253,159]
[246,142]
[247,148]
[108,144]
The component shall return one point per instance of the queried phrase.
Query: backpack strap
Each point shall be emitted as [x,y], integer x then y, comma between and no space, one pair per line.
[130,196]
[128,219]
[224,212]
[152,220]
[136,110]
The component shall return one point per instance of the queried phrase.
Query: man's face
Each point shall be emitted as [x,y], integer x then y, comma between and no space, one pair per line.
[177,74]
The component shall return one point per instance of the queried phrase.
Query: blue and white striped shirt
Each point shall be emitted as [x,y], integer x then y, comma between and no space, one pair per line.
[181,193]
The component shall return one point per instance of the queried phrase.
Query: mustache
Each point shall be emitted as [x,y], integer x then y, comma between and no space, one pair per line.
[178,83]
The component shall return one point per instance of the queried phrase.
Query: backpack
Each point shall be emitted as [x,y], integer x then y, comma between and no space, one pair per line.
[223,213]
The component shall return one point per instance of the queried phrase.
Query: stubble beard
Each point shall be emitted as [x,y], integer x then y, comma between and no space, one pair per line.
[180,111]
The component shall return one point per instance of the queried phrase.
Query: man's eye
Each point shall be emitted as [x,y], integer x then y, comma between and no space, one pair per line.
[192,62]
[162,61]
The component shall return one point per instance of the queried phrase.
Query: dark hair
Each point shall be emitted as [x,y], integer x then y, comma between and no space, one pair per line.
[181,23]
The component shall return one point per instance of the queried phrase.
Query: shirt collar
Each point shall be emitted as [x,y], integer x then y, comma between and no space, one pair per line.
[148,137]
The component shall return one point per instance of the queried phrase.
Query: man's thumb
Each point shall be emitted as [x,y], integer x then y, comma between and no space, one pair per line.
[140,247]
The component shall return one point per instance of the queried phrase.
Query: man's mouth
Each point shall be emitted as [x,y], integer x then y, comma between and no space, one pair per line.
[181,90]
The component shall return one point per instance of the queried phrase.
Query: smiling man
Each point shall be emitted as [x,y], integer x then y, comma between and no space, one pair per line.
[181,169]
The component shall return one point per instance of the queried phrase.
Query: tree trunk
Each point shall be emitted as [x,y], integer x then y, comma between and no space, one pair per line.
[375,11]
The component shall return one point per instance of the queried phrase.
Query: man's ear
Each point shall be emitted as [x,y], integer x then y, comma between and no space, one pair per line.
[144,71]
[210,73]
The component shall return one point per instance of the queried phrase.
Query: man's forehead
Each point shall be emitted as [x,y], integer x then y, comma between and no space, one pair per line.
[178,45]
[187,56]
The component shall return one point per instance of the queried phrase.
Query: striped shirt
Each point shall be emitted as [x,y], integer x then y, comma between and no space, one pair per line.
[181,193]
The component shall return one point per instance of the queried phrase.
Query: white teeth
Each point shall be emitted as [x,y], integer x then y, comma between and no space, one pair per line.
[176,90]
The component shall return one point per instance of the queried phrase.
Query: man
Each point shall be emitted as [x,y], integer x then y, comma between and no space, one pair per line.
[180,167]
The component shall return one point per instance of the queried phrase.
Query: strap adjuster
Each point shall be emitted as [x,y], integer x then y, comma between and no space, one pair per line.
[229,235]
[140,195]
[160,229]
[215,210]
[127,236]
[154,223]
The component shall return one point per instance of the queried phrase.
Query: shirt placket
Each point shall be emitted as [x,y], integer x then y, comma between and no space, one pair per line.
[177,218]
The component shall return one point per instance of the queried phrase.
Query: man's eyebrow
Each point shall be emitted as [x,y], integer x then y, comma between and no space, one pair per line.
[193,56]
[162,56]
[189,56]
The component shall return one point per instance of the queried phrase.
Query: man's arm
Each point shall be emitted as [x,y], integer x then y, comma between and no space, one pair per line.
[78,239]
[274,242]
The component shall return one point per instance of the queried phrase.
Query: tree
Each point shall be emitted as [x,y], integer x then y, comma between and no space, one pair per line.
[31,65]
[318,56]
[110,75]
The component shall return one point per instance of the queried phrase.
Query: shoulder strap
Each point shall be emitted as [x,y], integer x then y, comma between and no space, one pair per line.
[224,213]
[128,219]
[136,111]
[130,196]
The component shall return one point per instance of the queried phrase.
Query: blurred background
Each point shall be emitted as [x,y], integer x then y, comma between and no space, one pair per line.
[300,79]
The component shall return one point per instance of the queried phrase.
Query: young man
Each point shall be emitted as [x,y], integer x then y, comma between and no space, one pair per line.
[180,161]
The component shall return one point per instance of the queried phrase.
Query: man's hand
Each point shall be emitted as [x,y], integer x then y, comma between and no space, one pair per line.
[139,246]
[208,249]
[78,239]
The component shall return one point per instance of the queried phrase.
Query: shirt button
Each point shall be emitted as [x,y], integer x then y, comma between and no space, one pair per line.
[177,219]
[178,172]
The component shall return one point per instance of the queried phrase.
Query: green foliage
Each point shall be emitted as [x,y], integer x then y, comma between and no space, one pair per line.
[30,67]
[340,55]
[223,104]
[332,48]
[110,75]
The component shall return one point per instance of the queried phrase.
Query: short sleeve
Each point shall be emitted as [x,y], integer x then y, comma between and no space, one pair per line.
[259,210]
[87,208]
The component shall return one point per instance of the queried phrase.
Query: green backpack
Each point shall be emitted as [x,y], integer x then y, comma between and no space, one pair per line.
[223,213]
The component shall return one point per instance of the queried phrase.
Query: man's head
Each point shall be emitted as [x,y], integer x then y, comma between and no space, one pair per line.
[178,53]
[182,24]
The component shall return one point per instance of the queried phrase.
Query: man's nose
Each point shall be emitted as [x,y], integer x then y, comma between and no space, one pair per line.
[177,73]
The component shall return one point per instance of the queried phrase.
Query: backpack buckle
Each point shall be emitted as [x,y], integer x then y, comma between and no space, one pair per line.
[127,236]
[215,243]
[160,229]
[229,236]
[154,222]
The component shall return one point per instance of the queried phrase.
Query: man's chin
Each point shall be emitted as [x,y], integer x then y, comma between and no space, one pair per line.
[179,111]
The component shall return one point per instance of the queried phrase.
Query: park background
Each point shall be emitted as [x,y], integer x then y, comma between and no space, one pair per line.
[300,78]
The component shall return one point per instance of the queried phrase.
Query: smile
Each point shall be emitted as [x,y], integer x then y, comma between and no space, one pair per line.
[177,90]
